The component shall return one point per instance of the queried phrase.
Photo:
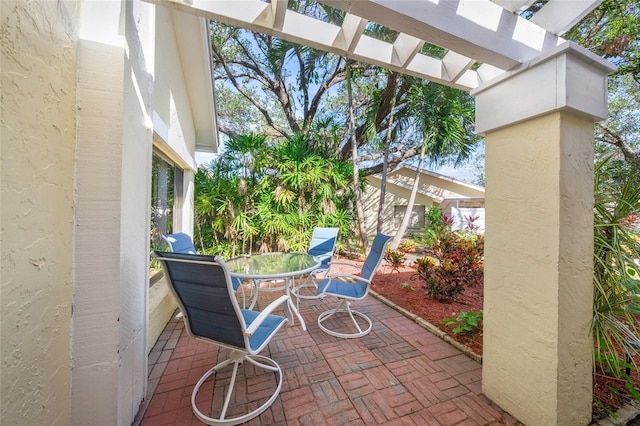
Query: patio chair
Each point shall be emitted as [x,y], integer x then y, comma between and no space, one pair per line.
[182,243]
[348,288]
[322,246]
[205,294]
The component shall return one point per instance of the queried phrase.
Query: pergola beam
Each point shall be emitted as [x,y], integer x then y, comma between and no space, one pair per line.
[489,32]
[558,16]
[478,29]
[514,5]
[347,40]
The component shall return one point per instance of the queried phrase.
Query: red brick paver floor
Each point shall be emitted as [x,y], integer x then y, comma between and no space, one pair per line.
[399,374]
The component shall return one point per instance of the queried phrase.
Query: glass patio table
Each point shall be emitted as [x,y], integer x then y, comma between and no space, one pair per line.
[275,266]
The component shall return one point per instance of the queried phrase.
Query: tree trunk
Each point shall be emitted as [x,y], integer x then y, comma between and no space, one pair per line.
[412,198]
[354,158]
[385,166]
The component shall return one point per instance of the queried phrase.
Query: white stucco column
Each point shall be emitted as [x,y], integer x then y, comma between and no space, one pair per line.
[111,240]
[538,123]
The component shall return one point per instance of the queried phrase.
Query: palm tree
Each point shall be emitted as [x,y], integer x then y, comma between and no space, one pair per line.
[354,158]
[616,277]
[444,117]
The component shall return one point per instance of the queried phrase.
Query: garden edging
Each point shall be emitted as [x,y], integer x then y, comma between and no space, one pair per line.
[428,326]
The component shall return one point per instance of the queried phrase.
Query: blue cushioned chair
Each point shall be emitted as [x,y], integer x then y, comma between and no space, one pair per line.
[322,246]
[348,288]
[205,294]
[182,243]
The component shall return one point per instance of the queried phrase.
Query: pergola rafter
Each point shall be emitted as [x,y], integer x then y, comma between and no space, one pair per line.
[489,33]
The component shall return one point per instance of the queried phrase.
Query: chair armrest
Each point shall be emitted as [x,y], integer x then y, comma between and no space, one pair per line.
[325,273]
[265,313]
[343,263]
[351,277]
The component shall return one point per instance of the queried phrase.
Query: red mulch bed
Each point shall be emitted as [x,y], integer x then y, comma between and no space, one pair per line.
[405,289]
[412,297]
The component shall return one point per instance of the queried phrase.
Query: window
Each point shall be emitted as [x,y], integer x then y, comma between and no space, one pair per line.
[162,197]
[416,220]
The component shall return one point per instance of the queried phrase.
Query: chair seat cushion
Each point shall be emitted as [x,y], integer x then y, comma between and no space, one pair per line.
[356,290]
[268,327]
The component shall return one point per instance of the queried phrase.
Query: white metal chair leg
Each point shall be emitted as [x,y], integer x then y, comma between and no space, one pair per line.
[345,307]
[237,358]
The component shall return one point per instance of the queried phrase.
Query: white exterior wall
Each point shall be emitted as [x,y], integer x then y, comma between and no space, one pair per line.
[113,175]
[396,196]
[77,115]
[173,119]
[37,160]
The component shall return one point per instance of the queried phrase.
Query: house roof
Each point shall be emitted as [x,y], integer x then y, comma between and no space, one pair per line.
[393,179]
[192,37]
[443,177]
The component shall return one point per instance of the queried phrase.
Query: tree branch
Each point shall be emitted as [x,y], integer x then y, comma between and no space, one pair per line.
[394,160]
[613,138]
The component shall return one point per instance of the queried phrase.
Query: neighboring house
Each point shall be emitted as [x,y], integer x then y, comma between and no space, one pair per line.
[457,199]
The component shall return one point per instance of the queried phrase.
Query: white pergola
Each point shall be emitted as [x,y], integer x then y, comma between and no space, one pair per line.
[490,34]
[538,97]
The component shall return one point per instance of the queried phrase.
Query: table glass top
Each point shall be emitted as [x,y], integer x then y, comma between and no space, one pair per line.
[272,265]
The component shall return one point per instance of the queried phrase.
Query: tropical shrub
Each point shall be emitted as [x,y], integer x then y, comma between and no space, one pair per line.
[435,220]
[261,195]
[455,261]
[407,246]
[616,279]
[395,258]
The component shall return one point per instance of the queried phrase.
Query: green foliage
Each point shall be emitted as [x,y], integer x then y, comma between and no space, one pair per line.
[455,261]
[264,196]
[433,227]
[395,258]
[616,301]
[613,32]
[407,246]
[465,322]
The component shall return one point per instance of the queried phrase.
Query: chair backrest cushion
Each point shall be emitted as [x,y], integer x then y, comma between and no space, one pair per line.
[180,243]
[323,243]
[375,256]
[204,292]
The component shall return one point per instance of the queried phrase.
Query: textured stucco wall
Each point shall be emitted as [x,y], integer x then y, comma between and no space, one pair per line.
[37,157]
[538,269]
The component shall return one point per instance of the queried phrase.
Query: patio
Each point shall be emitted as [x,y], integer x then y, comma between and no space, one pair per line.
[95,89]
[398,374]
